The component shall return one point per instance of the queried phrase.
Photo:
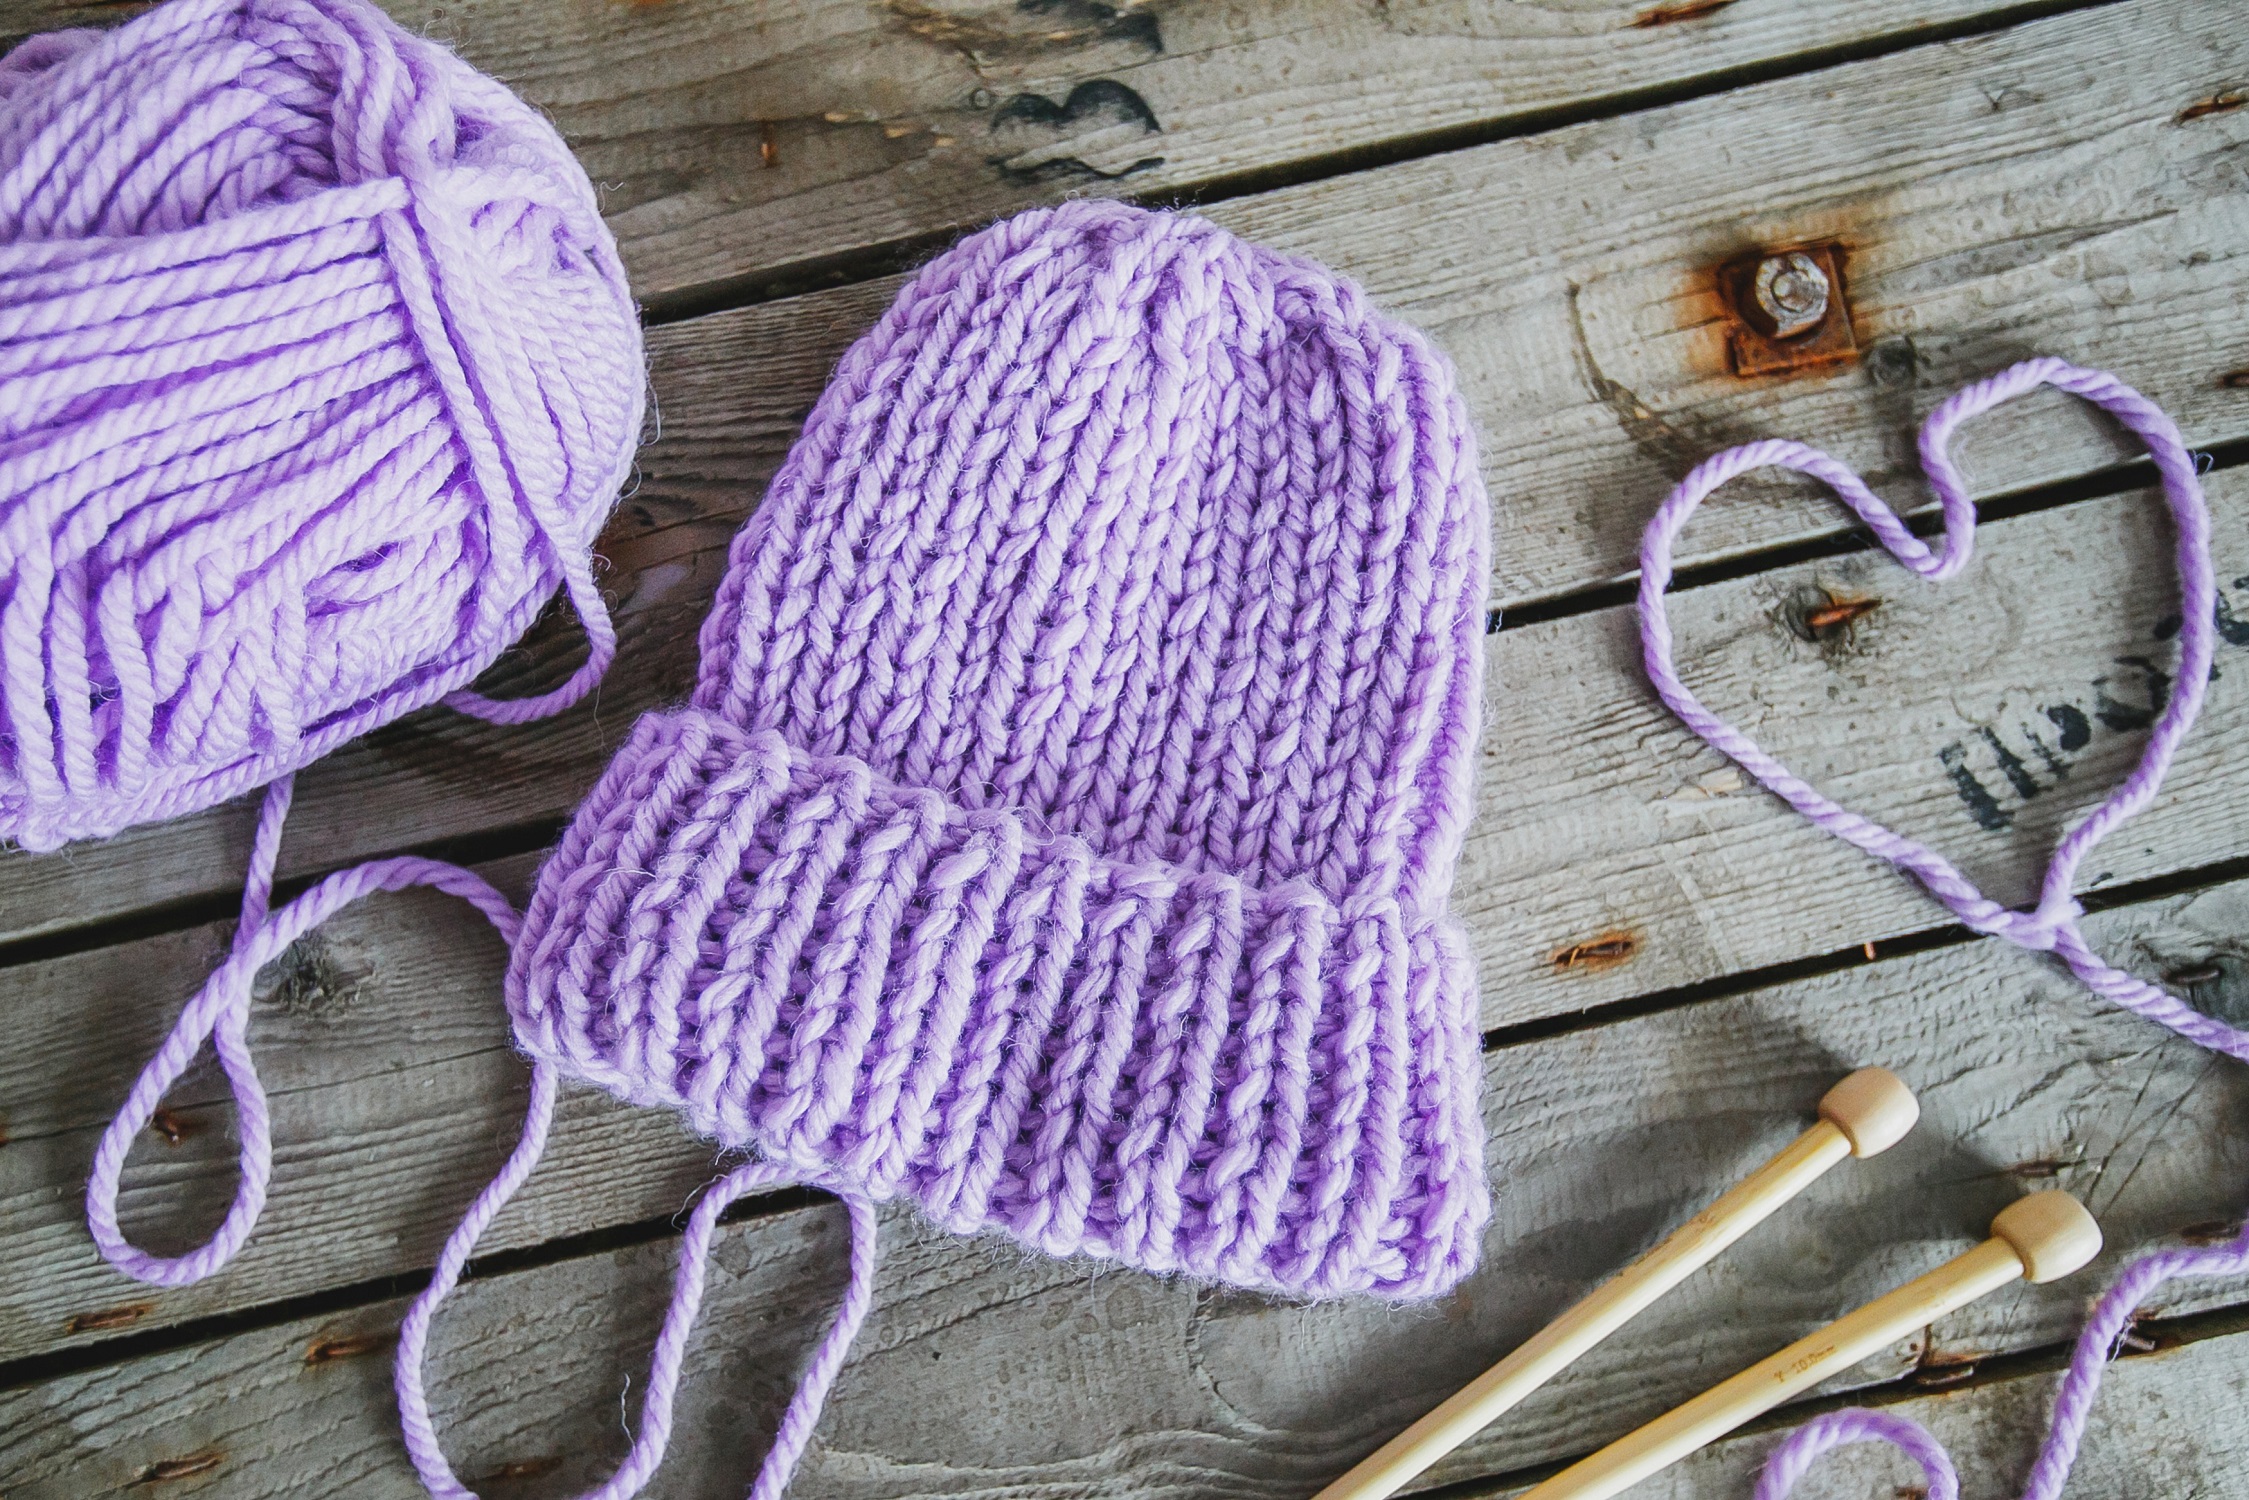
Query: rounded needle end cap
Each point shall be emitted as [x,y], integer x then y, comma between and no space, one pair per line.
[2051,1232]
[1873,1108]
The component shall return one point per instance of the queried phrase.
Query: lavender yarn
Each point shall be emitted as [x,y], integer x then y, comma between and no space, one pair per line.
[2052,926]
[1060,832]
[318,375]
[1830,1430]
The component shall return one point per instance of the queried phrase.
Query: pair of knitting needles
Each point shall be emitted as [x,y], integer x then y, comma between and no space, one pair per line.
[2037,1238]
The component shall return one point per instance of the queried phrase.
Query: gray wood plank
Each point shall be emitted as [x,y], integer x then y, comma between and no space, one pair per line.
[734,139]
[384,1051]
[1557,269]
[985,1371]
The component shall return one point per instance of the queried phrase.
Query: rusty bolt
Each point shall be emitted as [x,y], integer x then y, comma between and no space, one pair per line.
[1791,292]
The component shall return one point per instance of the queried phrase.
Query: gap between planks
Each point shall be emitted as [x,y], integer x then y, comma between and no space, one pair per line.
[748,153]
[508,840]
[2023,1079]
[1600,290]
[37,1368]
[1829,897]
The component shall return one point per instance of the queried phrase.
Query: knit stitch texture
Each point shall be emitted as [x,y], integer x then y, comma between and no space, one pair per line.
[1060,832]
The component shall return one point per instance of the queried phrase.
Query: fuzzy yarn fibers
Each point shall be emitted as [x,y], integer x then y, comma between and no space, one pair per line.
[1059,835]
[318,375]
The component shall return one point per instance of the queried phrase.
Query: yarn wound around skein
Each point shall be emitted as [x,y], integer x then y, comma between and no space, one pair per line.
[318,376]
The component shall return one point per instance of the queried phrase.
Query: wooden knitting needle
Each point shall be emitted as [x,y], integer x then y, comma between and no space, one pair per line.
[1866,1113]
[2039,1238]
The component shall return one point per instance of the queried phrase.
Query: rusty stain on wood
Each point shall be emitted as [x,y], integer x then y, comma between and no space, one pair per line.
[325,1351]
[108,1317]
[1823,616]
[1750,349]
[165,1470]
[1678,10]
[173,1126]
[1604,952]
[2234,380]
[2226,101]
[1839,612]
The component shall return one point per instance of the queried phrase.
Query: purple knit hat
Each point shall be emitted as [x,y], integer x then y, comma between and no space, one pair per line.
[1060,832]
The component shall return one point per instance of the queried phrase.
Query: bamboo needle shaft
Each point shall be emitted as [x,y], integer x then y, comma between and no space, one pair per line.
[2043,1236]
[1865,1113]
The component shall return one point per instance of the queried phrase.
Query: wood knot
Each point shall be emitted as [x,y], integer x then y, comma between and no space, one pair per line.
[310,978]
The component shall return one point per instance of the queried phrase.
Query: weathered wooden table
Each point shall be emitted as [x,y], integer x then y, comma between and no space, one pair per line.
[1674,966]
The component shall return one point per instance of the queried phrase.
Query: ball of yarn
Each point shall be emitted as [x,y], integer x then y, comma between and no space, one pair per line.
[318,376]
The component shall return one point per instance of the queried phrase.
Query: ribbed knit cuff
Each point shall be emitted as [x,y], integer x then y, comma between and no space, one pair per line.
[1162,1066]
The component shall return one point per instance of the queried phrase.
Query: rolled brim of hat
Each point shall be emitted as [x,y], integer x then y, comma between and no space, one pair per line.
[1165,1067]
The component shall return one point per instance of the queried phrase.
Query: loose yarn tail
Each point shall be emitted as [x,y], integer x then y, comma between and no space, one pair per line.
[2052,927]
[220,1014]
[664,1368]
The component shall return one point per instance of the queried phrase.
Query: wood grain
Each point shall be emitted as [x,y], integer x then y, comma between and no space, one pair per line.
[734,140]
[1562,272]
[988,1371]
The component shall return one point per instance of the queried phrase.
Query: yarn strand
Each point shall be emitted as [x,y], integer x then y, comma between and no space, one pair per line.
[2052,926]
[220,1014]
[666,1362]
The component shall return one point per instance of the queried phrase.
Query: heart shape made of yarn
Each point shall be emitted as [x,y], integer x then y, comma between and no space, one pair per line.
[2050,926]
